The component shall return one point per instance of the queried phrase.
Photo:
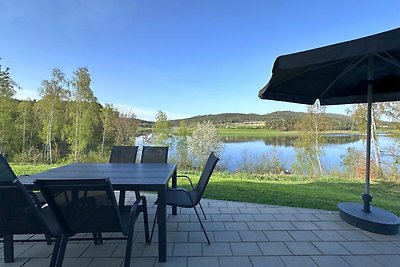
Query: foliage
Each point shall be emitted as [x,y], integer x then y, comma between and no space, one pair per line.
[162,130]
[264,164]
[353,161]
[203,140]
[309,144]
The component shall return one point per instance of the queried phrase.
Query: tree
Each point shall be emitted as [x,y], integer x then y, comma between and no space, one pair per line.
[53,94]
[108,117]
[7,111]
[204,140]
[81,130]
[126,126]
[309,144]
[162,130]
[359,117]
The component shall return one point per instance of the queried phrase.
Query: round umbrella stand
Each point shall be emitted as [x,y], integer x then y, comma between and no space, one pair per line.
[377,220]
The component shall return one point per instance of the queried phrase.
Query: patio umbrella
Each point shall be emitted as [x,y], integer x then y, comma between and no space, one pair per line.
[363,70]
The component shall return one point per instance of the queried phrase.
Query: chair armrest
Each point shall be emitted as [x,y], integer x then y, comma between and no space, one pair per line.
[136,209]
[35,199]
[186,177]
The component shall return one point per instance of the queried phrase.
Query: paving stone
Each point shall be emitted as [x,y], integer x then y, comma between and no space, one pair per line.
[328,226]
[303,236]
[387,260]
[298,261]
[214,226]
[227,236]
[252,236]
[36,262]
[282,226]
[221,218]
[259,226]
[229,210]
[305,226]
[236,204]
[274,248]
[187,249]
[216,249]
[232,226]
[264,218]
[379,237]
[37,251]
[177,236]
[203,261]
[18,262]
[262,261]
[106,262]
[361,261]
[137,250]
[354,235]
[278,236]
[249,211]
[178,218]
[359,248]
[306,217]
[105,250]
[18,249]
[75,262]
[242,217]
[217,204]
[287,210]
[234,262]
[189,226]
[75,250]
[285,217]
[172,262]
[328,217]
[268,210]
[302,248]
[385,247]
[329,236]
[245,249]
[196,237]
[330,261]
[331,248]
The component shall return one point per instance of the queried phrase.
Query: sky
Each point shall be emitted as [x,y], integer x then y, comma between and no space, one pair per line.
[183,57]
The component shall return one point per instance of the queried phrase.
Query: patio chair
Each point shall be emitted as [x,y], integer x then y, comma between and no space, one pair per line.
[89,206]
[20,214]
[7,174]
[153,154]
[181,197]
[123,154]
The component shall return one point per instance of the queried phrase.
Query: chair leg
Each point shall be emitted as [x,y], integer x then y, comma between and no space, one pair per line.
[61,253]
[145,220]
[137,194]
[48,238]
[95,239]
[8,240]
[56,250]
[100,238]
[201,224]
[154,224]
[128,251]
[201,207]
[121,201]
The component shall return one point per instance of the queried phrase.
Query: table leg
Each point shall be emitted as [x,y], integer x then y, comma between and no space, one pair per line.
[162,225]
[174,185]
[8,248]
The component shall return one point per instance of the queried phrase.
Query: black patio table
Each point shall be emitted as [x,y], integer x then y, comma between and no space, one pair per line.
[123,176]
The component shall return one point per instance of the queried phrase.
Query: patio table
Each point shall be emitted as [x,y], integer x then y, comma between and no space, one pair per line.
[123,176]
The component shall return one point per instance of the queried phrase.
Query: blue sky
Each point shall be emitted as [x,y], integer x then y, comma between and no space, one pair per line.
[183,57]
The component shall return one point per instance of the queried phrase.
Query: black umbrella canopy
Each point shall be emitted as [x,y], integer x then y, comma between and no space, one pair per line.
[338,74]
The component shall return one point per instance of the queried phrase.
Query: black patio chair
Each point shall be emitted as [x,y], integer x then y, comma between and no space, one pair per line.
[7,174]
[123,154]
[89,206]
[20,214]
[181,197]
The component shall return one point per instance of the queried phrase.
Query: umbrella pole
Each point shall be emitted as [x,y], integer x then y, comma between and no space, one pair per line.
[366,196]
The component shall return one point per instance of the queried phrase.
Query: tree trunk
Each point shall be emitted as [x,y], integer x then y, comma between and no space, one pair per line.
[375,143]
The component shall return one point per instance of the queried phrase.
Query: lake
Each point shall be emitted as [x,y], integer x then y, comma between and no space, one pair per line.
[237,150]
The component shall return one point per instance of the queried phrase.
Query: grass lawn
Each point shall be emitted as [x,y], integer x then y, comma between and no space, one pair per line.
[284,190]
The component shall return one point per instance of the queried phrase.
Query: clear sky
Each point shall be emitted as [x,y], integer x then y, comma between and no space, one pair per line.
[184,57]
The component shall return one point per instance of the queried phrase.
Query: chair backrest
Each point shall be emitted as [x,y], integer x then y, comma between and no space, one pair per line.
[123,154]
[18,212]
[82,205]
[206,175]
[6,173]
[154,154]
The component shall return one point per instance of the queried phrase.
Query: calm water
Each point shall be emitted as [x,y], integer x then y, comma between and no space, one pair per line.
[236,150]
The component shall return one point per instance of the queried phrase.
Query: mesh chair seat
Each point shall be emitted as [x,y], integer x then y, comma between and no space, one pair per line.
[185,199]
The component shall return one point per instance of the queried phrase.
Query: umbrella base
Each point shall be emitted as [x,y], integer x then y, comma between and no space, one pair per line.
[377,221]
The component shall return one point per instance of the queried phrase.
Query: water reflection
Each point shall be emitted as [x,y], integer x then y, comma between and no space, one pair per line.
[289,141]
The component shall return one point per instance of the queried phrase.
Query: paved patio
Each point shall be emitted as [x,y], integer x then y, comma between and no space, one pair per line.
[242,234]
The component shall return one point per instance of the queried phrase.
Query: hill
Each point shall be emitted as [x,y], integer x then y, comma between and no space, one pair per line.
[280,120]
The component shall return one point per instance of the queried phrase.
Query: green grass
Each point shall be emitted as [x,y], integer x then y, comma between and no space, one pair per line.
[284,190]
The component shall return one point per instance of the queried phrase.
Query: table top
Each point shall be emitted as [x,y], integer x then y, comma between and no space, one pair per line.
[128,176]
